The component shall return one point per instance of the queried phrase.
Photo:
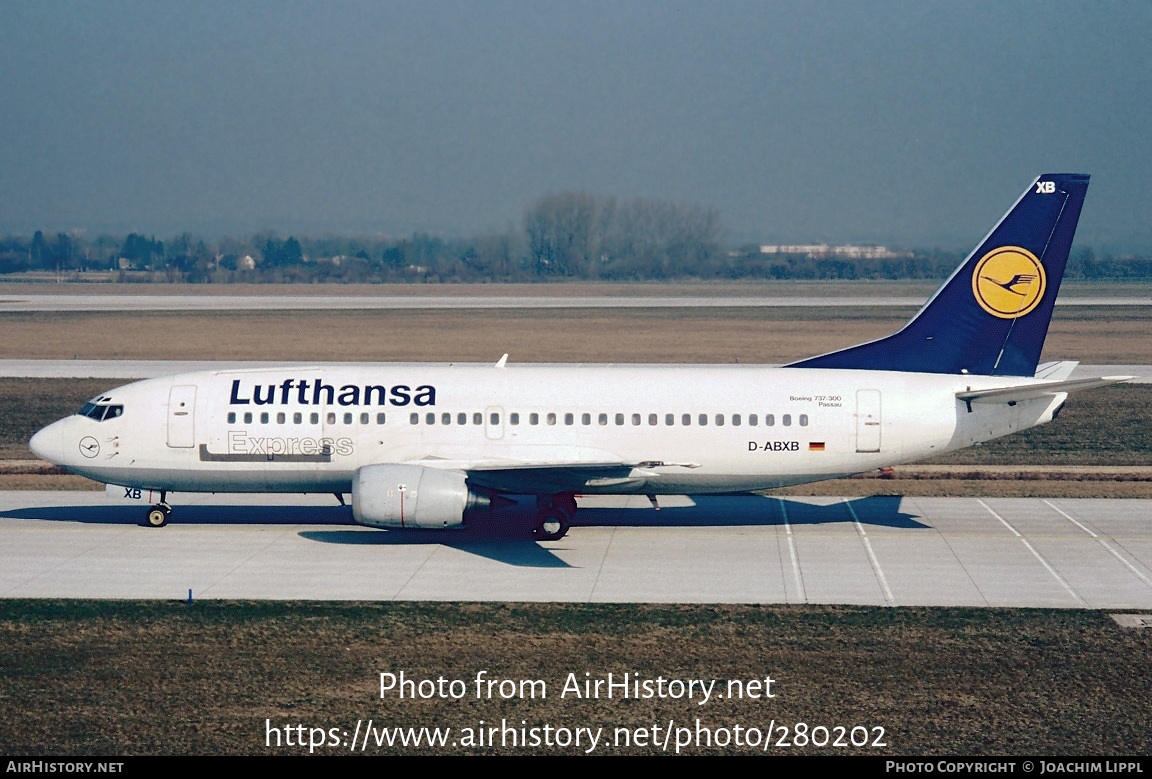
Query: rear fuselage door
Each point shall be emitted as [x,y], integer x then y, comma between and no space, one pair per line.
[868,420]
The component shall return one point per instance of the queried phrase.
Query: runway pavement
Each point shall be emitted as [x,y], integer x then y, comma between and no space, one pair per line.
[893,551]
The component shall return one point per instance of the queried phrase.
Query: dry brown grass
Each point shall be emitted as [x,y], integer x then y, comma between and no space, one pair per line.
[756,335]
[124,678]
[571,335]
[48,482]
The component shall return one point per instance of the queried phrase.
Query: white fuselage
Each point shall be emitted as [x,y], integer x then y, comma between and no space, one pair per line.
[638,429]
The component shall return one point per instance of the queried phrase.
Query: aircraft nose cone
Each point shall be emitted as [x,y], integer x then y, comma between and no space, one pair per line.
[45,444]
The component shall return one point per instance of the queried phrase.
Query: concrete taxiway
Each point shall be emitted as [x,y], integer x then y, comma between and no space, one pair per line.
[883,550]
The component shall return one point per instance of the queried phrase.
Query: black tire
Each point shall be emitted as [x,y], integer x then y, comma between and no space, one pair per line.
[551,525]
[158,516]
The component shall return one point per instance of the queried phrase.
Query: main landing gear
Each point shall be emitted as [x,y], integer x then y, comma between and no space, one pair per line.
[554,516]
[158,514]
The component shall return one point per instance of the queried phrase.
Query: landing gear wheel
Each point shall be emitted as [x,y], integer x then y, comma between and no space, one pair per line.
[158,515]
[551,525]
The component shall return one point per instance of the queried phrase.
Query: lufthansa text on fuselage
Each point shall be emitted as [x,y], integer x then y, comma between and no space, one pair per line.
[317,392]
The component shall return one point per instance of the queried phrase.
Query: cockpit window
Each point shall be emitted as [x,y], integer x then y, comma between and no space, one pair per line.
[101,410]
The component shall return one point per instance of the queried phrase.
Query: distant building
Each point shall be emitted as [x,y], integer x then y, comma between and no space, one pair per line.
[823,250]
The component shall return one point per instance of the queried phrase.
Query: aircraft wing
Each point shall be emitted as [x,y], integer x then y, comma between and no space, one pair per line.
[1028,391]
[533,475]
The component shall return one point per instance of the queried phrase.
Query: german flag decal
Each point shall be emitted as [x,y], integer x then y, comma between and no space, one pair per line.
[815,446]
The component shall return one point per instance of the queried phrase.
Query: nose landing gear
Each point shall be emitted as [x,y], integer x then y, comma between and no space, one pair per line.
[158,514]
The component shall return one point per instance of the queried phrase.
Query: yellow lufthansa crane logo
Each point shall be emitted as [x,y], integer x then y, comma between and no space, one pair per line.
[1008,282]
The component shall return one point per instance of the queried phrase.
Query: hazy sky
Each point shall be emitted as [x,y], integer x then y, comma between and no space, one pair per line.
[913,123]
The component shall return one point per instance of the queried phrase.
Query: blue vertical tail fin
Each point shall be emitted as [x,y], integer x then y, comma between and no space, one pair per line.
[991,316]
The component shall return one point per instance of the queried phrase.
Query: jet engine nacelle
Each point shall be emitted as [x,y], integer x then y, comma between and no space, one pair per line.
[411,496]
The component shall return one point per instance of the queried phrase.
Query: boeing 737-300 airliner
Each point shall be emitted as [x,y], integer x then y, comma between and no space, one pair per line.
[441,446]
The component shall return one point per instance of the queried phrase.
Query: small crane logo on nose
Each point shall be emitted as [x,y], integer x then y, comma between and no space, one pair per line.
[89,446]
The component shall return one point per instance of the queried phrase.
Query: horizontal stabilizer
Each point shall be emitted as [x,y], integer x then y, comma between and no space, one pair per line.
[1029,391]
[1056,371]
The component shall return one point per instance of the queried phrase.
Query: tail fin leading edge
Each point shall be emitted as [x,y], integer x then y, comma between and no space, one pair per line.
[991,316]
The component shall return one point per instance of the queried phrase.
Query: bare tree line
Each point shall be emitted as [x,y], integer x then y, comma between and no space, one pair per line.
[567,235]
[575,234]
